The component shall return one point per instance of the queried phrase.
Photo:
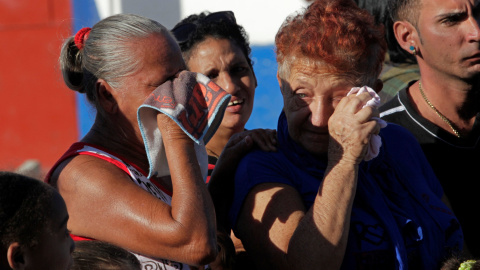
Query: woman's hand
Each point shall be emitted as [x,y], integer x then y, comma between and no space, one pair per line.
[170,130]
[265,139]
[350,128]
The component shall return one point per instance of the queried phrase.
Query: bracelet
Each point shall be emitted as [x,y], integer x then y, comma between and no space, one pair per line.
[467,265]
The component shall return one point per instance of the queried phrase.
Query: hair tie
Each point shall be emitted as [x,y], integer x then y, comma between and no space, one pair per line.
[466,265]
[81,36]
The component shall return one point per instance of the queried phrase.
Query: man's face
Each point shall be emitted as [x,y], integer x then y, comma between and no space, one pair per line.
[449,37]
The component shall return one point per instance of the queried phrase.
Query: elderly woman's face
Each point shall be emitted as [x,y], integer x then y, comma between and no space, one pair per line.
[310,98]
[160,60]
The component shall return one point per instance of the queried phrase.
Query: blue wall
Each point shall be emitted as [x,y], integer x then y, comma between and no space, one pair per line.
[268,99]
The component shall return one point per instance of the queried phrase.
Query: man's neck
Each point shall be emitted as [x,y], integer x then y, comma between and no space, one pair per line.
[456,99]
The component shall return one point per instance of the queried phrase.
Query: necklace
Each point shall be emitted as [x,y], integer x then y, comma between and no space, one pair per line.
[445,119]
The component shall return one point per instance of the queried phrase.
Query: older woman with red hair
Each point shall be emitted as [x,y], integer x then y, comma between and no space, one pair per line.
[344,190]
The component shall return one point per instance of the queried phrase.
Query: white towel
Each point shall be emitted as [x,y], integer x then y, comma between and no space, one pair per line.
[375,140]
[195,103]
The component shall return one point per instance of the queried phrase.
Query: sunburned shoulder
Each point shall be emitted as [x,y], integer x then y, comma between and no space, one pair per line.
[85,170]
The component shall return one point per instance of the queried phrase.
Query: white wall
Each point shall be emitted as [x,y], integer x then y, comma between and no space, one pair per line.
[260,18]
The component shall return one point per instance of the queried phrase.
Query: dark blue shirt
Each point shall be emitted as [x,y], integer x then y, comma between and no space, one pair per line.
[398,220]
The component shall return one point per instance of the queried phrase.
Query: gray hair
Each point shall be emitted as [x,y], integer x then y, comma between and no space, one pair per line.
[108,53]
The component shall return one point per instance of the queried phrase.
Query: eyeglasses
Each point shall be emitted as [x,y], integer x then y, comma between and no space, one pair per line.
[182,32]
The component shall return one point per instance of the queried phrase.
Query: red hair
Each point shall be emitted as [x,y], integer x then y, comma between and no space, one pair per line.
[338,36]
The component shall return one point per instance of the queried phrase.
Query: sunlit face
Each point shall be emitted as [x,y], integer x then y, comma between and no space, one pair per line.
[310,99]
[449,37]
[224,63]
[160,59]
[54,251]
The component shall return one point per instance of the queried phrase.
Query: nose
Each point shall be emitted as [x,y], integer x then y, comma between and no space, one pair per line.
[473,34]
[228,83]
[320,112]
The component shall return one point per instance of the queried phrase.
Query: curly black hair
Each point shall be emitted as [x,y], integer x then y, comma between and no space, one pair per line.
[220,29]
[25,207]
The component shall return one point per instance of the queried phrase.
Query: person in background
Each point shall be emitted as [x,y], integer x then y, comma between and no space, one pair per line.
[441,109]
[98,255]
[399,67]
[167,221]
[33,225]
[215,45]
[331,197]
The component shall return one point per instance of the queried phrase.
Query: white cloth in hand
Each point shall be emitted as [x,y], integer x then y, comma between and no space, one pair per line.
[375,141]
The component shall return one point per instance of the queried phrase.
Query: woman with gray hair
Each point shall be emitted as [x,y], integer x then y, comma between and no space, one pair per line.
[169,221]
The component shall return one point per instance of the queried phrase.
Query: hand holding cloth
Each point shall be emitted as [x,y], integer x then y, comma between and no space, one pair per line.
[375,141]
[195,103]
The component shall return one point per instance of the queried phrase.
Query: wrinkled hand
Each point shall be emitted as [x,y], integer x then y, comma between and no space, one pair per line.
[170,130]
[350,128]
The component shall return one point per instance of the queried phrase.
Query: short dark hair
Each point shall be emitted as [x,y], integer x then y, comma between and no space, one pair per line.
[381,11]
[25,207]
[101,255]
[219,29]
[405,10]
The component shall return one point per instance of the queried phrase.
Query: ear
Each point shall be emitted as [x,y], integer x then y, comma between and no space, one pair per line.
[106,98]
[406,35]
[378,85]
[15,256]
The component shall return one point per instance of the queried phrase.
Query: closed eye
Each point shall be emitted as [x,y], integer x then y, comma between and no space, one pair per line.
[212,74]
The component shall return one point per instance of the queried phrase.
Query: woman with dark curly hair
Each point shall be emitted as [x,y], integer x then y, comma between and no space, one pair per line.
[215,45]
[344,190]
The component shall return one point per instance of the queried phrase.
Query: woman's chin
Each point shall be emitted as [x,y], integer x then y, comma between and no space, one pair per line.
[233,123]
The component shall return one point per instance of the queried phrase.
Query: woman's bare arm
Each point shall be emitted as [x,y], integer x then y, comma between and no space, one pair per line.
[273,223]
[105,204]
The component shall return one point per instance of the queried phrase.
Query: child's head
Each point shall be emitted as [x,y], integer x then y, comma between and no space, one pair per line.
[33,225]
[101,255]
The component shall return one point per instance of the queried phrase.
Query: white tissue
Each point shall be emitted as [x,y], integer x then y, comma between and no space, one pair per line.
[375,140]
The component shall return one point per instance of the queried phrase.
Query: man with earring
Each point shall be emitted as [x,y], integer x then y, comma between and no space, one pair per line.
[442,108]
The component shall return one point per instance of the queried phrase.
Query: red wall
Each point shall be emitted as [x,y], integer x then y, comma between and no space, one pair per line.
[37,112]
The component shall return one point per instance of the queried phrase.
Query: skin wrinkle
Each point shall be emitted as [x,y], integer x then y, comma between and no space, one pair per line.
[147,225]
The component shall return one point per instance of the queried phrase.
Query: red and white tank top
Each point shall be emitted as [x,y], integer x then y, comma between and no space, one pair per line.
[138,176]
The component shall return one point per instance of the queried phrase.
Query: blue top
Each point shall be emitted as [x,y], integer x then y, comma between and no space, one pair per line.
[398,219]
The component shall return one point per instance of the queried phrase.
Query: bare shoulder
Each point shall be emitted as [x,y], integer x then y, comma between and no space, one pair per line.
[84,171]
[270,215]
[271,200]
